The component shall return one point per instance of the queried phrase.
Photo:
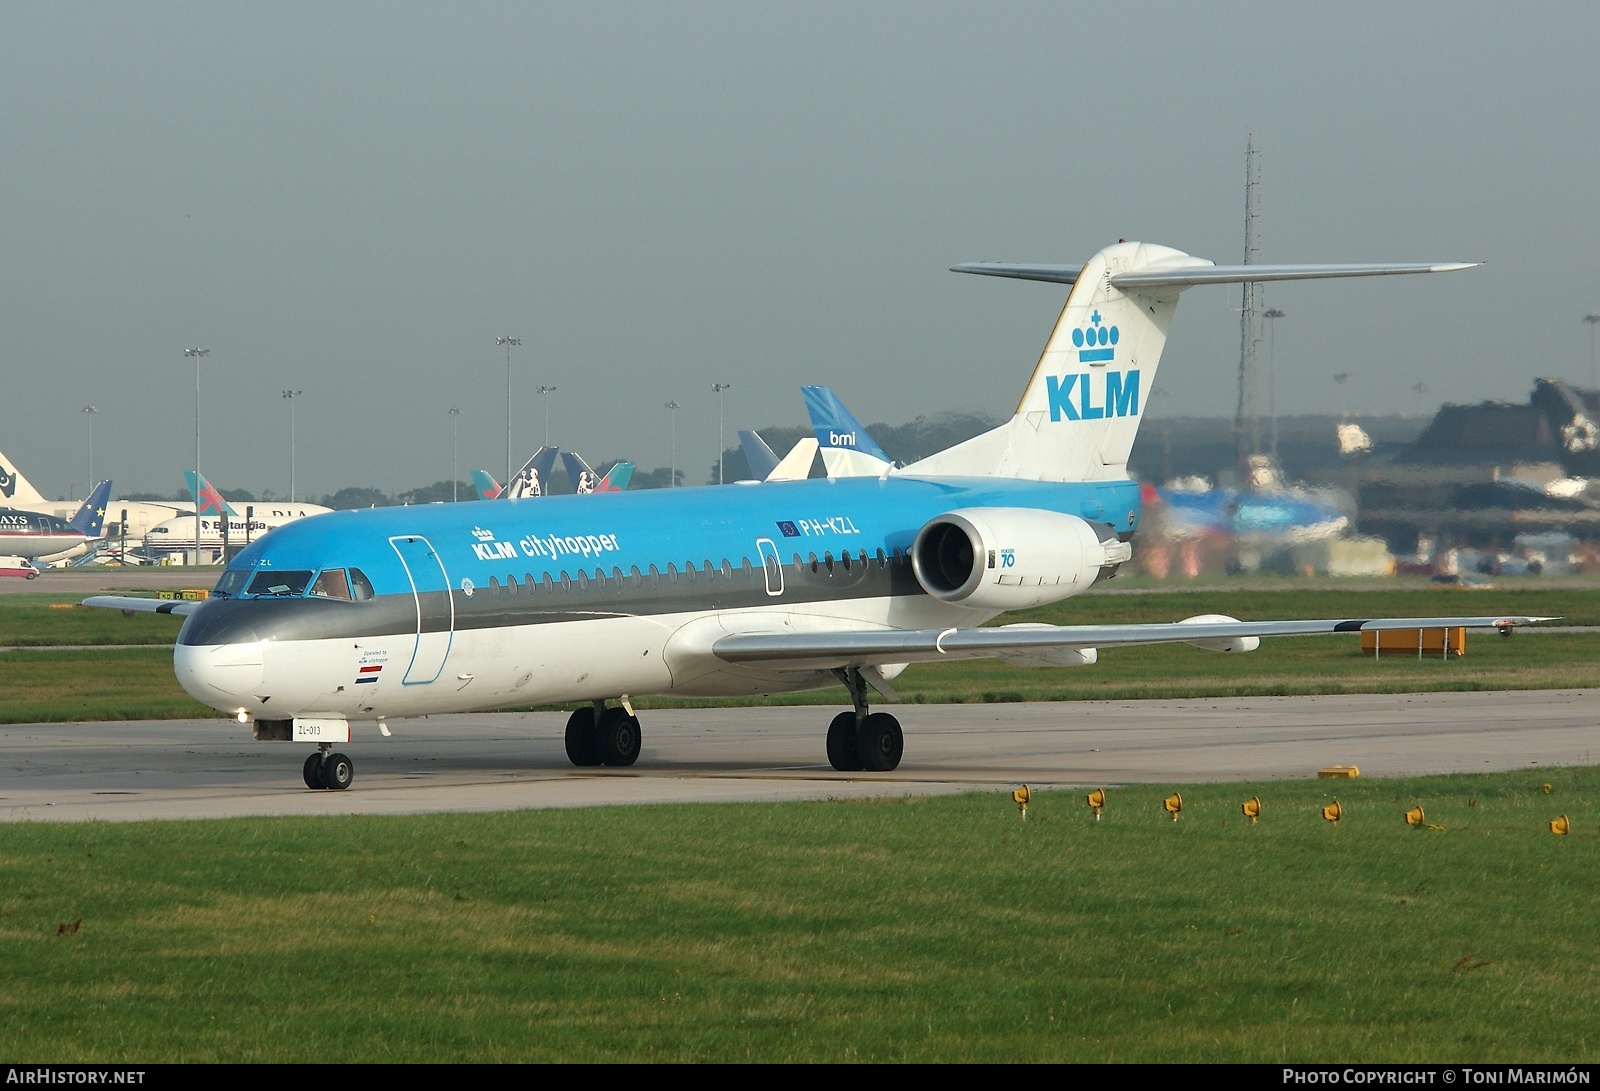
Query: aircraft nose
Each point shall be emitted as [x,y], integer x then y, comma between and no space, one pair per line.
[220,675]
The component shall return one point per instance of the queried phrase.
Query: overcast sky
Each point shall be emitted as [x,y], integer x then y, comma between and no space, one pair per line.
[355,200]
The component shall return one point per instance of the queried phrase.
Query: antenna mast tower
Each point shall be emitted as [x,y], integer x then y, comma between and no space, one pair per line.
[1246,420]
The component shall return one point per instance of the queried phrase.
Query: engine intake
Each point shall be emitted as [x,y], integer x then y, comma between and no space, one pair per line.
[1012,558]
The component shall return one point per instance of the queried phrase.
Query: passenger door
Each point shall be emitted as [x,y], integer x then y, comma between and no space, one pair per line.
[436,607]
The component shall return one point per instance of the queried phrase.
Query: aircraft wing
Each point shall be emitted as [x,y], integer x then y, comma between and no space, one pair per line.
[822,650]
[128,604]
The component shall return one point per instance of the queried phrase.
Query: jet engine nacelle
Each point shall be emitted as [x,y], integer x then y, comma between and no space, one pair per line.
[1012,558]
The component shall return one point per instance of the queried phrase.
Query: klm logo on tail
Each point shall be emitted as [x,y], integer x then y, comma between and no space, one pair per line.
[1073,397]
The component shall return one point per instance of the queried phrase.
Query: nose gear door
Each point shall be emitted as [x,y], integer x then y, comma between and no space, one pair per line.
[436,607]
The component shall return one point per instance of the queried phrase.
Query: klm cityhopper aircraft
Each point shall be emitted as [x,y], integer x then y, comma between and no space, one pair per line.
[785,585]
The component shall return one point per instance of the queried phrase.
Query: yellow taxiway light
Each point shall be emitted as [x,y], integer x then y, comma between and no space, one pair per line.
[1547,789]
[1173,804]
[1252,809]
[1097,802]
[1561,826]
[1414,817]
[1333,812]
[1339,772]
[1021,796]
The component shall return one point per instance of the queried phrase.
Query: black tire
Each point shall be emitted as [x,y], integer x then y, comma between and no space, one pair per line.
[844,752]
[582,747]
[880,742]
[313,770]
[618,738]
[337,772]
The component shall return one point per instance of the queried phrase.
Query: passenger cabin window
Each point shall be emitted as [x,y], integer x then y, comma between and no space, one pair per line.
[270,584]
[332,584]
[360,586]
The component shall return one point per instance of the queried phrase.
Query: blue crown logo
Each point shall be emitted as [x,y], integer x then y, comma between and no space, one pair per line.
[1095,342]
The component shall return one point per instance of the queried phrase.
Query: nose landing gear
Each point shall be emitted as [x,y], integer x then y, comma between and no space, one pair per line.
[328,770]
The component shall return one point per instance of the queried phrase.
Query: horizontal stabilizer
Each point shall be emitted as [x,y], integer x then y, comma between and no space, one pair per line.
[129,604]
[856,648]
[1193,271]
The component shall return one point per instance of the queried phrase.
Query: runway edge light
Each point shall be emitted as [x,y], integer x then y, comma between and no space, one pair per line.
[1561,826]
[1097,802]
[1173,804]
[1414,817]
[1021,796]
[1333,812]
[1252,809]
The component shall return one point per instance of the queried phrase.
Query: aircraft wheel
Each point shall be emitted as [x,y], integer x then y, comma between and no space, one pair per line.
[337,772]
[618,737]
[583,748]
[880,742]
[844,754]
[313,770]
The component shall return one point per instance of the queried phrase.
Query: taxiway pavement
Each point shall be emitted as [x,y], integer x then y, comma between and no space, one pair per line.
[172,769]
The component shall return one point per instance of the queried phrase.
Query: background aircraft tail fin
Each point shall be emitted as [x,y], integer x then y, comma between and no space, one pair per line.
[90,519]
[616,478]
[847,449]
[534,477]
[579,473]
[796,465]
[488,488]
[207,500]
[762,459]
[1081,409]
[16,489]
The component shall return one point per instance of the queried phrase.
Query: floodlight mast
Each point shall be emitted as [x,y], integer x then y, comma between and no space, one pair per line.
[455,452]
[291,395]
[719,388]
[89,412]
[545,392]
[508,342]
[673,406]
[198,355]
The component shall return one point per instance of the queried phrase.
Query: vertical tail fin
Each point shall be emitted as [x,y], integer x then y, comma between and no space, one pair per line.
[91,517]
[761,458]
[847,449]
[534,477]
[207,500]
[488,488]
[579,473]
[616,478]
[15,489]
[796,465]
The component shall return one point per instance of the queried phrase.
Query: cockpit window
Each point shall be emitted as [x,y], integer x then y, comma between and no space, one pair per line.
[332,584]
[279,584]
[360,586]
[231,583]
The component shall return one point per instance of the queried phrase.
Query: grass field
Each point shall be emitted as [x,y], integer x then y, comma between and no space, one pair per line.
[45,684]
[928,929]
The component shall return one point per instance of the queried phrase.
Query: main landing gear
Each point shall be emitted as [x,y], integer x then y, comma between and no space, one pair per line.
[603,736]
[327,770]
[860,739]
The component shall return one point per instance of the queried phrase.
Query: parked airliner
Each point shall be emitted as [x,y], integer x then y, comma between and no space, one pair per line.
[17,491]
[717,591]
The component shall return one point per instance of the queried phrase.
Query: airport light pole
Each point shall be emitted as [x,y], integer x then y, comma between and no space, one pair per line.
[673,406]
[1272,314]
[455,451]
[508,342]
[89,412]
[291,395]
[719,388]
[198,354]
[1341,378]
[545,392]
[1591,319]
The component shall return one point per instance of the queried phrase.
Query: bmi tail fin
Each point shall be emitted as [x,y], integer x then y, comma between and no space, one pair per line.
[207,500]
[488,488]
[1081,410]
[847,449]
[616,478]
[15,489]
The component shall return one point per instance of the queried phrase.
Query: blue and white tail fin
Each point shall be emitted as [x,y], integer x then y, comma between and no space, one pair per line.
[90,519]
[761,458]
[579,473]
[207,500]
[1081,410]
[847,449]
[534,477]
